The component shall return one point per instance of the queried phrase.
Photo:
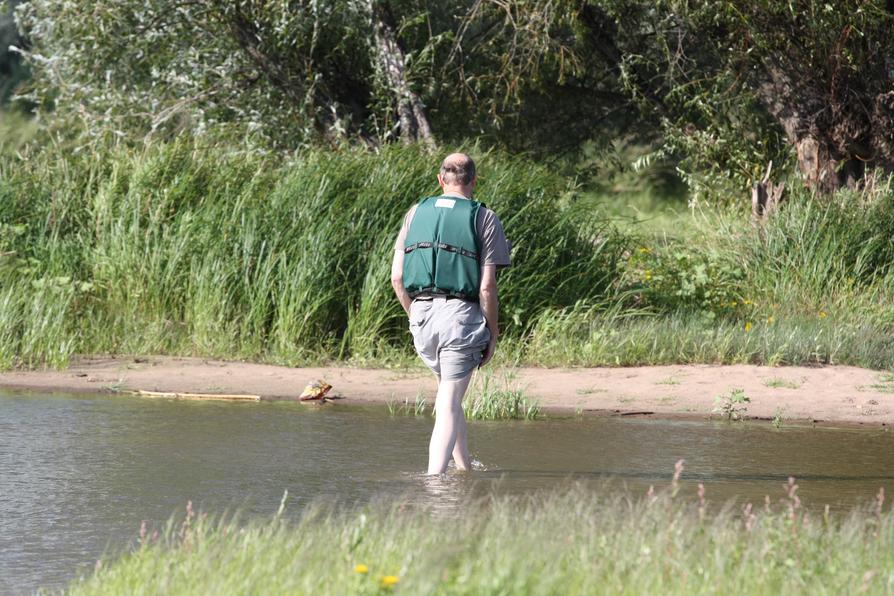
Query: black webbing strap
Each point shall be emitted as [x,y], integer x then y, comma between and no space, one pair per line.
[426,293]
[442,246]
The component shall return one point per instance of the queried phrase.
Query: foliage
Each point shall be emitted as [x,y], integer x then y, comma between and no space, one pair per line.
[732,406]
[187,248]
[592,337]
[12,71]
[417,408]
[487,402]
[778,417]
[678,277]
[588,542]
[835,244]
[814,284]
[732,89]
[281,71]
[718,87]
[291,73]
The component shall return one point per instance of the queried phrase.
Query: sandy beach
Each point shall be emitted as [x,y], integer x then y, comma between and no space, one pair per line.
[820,395]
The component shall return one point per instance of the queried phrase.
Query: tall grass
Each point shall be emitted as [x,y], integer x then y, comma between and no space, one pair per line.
[486,399]
[16,130]
[596,337]
[566,541]
[813,285]
[197,249]
[503,399]
[192,249]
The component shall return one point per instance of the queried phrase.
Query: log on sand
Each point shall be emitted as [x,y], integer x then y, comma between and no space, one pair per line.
[198,396]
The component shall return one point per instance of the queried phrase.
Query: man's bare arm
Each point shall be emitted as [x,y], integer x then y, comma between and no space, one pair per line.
[397,280]
[490,306]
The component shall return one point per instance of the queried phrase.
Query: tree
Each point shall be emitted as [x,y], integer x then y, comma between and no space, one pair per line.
[283,73]
[392,62]
[318,70]
[718,72]
[730,84]
[722,86]
[12,71]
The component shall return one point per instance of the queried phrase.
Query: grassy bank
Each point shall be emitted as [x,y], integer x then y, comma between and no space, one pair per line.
[189,249]
[814,284]
[198,249]
[569,540]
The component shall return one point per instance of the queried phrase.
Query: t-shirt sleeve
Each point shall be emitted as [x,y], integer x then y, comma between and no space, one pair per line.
[405,226]
[495,248]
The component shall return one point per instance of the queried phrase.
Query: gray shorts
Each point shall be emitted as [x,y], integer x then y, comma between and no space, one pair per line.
[450,335]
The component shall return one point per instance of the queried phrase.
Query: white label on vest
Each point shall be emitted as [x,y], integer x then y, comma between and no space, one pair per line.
[448,203]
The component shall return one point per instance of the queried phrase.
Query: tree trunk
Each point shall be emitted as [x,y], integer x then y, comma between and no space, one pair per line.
[794,109]
[765,197]
[414,126]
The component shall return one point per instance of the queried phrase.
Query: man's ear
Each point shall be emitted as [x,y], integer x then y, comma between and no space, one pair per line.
[440,181]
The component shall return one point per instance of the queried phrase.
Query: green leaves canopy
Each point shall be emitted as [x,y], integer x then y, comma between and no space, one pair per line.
[725,85]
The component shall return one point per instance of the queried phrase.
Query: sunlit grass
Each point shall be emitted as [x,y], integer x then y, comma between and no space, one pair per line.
[593,338]
[780,383]
[204,250]
[488,398]
[491,398]
[16,130]
[570,540]
[191,249]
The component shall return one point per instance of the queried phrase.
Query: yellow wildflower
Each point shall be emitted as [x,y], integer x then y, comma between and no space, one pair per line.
[647,274]
[645,250]
[389,581]
[770,320]
[361,568]
[822,314]
[748,326]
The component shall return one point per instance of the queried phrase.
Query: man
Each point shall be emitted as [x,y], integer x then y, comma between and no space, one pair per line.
[444,273]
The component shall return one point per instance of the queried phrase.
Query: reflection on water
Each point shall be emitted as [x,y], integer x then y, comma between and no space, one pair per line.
[78,474]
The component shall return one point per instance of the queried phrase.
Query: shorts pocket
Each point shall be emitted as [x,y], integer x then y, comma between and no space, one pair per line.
[420,311]
[465,328]
[467,314]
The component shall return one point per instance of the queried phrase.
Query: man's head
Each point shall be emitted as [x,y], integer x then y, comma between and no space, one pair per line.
[457,174]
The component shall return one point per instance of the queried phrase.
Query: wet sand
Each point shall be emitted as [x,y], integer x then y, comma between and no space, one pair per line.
[821,395]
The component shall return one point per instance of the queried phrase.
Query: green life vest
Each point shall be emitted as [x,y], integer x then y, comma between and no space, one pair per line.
[441,249]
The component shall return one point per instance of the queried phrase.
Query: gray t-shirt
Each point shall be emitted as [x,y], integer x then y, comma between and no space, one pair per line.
[495,248]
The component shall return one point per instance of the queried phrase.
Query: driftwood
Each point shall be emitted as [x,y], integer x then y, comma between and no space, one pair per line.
[765,196]
[198,396]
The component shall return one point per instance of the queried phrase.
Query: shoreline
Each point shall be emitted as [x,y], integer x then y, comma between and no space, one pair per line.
[822,395]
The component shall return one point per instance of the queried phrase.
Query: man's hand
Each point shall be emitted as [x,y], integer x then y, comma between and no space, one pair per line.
[489,351]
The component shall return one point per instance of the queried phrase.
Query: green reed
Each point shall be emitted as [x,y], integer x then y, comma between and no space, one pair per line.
[498,399]
[813,285]
[193,249]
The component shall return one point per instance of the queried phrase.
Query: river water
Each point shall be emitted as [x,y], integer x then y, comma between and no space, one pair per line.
[78,474]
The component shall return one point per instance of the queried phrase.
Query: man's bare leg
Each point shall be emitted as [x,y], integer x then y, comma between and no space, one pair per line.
[449,434]
[461,448]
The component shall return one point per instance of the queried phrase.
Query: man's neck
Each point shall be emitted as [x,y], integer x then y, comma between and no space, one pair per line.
[453,191]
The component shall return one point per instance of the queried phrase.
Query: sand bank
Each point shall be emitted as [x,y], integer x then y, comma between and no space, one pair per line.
[823,395]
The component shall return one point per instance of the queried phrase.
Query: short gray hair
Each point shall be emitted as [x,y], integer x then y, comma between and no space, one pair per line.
[458,168]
